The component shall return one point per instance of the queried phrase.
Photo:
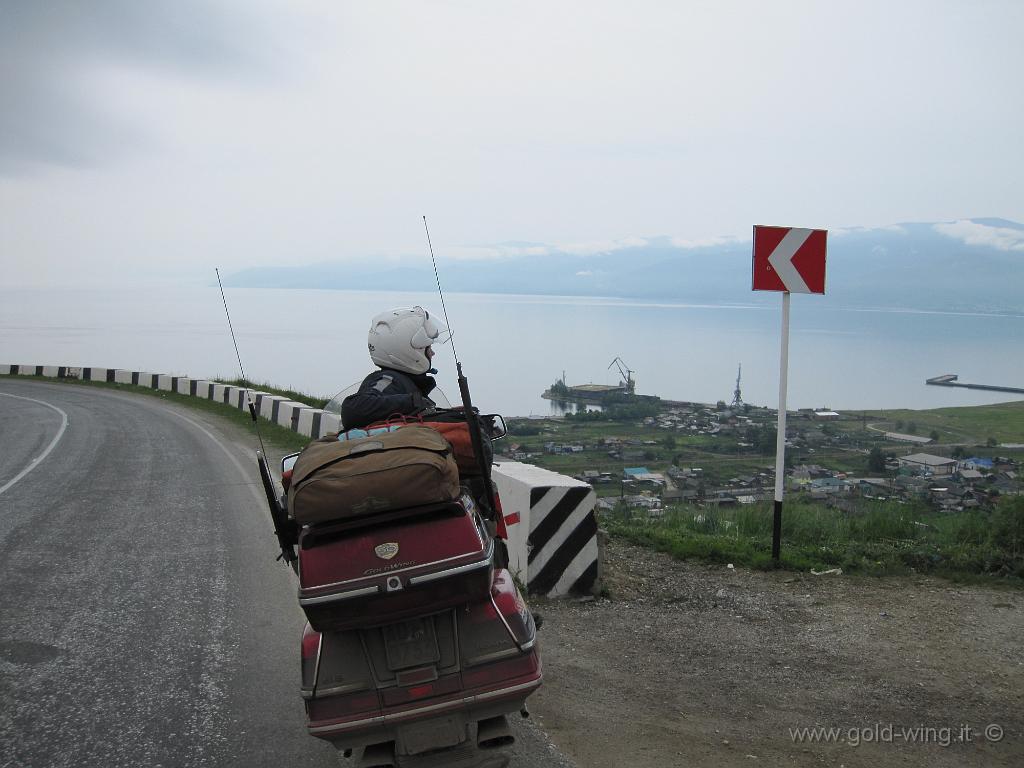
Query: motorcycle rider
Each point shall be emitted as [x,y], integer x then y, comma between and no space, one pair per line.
[400,343]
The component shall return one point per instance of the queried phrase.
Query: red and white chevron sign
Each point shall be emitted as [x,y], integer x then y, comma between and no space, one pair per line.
[789,259]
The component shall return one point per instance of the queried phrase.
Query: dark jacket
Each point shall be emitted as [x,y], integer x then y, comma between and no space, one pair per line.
[385,393]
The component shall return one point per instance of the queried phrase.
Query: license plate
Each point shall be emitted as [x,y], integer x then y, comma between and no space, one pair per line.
[411,644]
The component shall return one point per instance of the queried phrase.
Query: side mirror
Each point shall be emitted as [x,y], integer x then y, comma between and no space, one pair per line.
[288,462]
[499,425]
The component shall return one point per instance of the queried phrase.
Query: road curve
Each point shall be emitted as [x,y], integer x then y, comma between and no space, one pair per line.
[143,618]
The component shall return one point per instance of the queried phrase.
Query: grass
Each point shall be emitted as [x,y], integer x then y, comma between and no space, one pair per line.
[973,425]
[299,397]
[879,539]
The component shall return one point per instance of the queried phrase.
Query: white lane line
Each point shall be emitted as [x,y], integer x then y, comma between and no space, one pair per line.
[53,443]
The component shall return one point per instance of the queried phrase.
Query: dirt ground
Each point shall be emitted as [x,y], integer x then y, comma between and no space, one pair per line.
[697,665]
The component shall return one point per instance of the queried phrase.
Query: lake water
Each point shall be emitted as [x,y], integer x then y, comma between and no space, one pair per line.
[513,347]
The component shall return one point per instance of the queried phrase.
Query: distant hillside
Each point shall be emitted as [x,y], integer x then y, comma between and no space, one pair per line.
[967,265]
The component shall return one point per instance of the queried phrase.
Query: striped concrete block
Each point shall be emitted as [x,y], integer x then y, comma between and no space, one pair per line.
[288,412]
[144,379]
[220,393]
[329,422]
[98,374]
[5,369]
[552,529]
[26,370]
[123,377]
[236,397]
[51,371]
[164,382]
[265,404]
[182,385]
[309,422]
[202,389]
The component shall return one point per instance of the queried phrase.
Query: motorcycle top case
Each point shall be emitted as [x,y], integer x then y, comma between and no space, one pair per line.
[341,479]
[371,572]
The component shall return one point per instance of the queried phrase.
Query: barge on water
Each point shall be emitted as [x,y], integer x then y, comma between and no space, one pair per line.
[950,380]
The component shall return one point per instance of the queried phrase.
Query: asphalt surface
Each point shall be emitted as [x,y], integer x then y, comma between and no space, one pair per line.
[143,618]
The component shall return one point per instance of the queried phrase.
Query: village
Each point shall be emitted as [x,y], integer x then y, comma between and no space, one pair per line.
[721,455]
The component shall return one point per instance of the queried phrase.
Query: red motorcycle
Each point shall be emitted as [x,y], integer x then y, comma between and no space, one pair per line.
[418,642]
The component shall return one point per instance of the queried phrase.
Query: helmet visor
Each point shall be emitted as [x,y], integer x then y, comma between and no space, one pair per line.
[429,333]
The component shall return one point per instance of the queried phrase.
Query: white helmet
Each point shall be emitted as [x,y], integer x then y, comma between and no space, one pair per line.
[399,337]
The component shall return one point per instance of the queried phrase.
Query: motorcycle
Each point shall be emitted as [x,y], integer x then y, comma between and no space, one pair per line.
[418,642]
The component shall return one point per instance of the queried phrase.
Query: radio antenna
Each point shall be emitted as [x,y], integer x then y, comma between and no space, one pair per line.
[245,381]
[489,501]
[285,528]
[444,309]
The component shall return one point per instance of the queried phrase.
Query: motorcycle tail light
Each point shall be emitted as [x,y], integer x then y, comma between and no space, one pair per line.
[310,657]
[513,609]
[500,673]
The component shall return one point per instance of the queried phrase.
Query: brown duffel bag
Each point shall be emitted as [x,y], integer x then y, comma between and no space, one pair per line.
[340,479]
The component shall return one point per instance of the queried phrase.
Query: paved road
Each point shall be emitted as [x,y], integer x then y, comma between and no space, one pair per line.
[143,619]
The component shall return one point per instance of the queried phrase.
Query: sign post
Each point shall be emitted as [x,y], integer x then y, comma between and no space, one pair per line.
[789,260]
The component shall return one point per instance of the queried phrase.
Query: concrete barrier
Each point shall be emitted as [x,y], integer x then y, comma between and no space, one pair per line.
[123,377]
[309,422]
[164,383]
[552,529]
[289,412]
[98,374]
[329,422]
[235,397]
[266,404]
[202,389]
[182,385]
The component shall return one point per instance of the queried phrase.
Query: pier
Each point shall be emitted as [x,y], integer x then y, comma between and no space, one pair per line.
[950,380]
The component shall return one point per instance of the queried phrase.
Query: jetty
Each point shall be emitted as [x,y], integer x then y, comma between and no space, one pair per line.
[951,380]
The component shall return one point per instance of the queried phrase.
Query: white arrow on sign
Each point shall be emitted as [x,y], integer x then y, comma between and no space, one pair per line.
[782,260]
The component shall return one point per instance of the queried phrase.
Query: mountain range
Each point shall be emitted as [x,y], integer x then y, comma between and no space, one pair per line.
[966,265]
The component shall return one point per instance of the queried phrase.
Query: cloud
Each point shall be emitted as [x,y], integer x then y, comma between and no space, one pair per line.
[973,233]
[705,242]
[602,246]
[584,273]
[843,231]
[54,54]
[517,250]
[493,252]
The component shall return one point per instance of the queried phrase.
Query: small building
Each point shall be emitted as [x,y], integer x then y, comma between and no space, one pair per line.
[925,462]
[826,416]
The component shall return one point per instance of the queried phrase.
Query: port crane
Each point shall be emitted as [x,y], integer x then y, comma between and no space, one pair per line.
[737,397]
[626,374]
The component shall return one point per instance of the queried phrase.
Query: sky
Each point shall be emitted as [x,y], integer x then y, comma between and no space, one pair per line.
[144,142]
